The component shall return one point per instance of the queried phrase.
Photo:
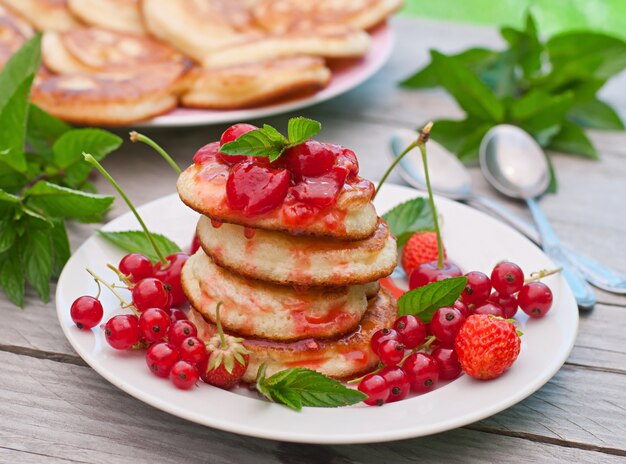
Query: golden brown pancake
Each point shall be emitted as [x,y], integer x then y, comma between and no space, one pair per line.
[44,15]
[275,312]
[116,15]
[344,357]
[13,33]
[253,84]
[287,260]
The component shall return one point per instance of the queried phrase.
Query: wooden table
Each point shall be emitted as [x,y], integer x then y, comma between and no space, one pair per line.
[53,408]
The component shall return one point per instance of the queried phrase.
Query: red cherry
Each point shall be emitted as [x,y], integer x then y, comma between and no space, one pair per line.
[180,330]
[477,289]
[507,278]
[412,331]
[231,134]
[391,352]
[508,303]
[446,323]
[184,375]
[192,350]
[376,389]
[429,272]
[321,191]
[489,308]
[206,153]
[170,275]
[154,324]
[86,312]
[535,299]
[135,267]
[150,293]
[382,335]
[398,382]
[256,189]
[448,362]
[422,370]
[160,358]
[309,159]
[122,332]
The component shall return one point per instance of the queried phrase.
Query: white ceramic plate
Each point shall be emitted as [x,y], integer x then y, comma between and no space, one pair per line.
[473,240]
[345,76]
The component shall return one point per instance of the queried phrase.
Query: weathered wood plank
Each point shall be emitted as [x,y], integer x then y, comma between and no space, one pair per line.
[70,413]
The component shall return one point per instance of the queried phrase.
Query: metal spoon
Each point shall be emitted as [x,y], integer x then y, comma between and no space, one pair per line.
[515,165]
[450,178]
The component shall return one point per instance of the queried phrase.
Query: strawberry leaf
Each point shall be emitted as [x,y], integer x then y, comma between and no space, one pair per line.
[135,241]
[409,217]
[424,301]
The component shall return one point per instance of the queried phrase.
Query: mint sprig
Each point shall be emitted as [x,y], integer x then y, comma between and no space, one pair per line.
[409,217]
[300,387]
[268,142]
[135,241]
[424,301]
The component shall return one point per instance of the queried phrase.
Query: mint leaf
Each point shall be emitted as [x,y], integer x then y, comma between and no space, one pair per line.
[409,217]
[525,45]
[572,139]
[12,278]
[472,95]
[595,114]
[61,202]
[302,129]
[266,141]
[37,257]
[424,301]
[21,66]
[135,241]
[43,130]
[13,127]
[538,110]
[300,387]
[67,152]
[60,248]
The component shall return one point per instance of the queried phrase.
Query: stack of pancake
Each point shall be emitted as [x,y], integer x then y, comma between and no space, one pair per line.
[119,61]
[301,293]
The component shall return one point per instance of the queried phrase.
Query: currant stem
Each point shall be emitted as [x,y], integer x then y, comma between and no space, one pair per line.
[394,164]
[91,160]
[541,274]
[123,303]
[137,137]
[119,273]
[219,325]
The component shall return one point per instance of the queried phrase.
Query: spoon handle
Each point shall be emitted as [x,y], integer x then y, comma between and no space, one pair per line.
[583,293]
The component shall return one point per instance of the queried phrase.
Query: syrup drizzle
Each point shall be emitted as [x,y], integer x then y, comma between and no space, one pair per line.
[249,232]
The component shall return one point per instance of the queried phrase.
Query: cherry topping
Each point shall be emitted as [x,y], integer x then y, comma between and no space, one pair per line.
[398,382]
[345,158]
[321,191]
[136,266]
[309,159]
[86,312]
[376,389]
[206,153]
[231,134]
[429,272]
[256,189]
[535,299]
[170,275]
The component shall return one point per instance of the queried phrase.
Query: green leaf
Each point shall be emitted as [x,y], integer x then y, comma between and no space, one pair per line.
[572,139]
[8,204]
[8,234]
[69,148]
[453,134]
[525,46]
[61,202]
[37,257]
[135,241]
[12,277]
[538,110]
[43,130]
[471,94]
[60,248]
[595,114]
[21,66]
[13,127]
[470,147]
[424,301]
[302,129]
[266,141]
[303,387]
[409,217]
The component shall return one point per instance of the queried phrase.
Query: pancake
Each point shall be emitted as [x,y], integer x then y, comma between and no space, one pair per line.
[202,187]
[258,309]
[341,358]
[116,15]
[285,15]
[113,98]
[253,84]
[13,33]
[287,260]
[44,15]
[99,50]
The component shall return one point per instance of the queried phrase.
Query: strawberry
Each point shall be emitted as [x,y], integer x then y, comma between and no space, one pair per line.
[419,249]
[227,360]
[487,346]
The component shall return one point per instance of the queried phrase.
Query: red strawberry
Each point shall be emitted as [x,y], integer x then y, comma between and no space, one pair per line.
[227,360]
[487,346]
[419,249]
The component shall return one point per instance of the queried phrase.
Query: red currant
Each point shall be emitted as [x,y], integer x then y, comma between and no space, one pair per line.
[170,275]
[382,335]
[180,330]
[412,331]
[321,191]
[207,153]
[195,245]
[376,389]
[391,352]
[489,309]
[446,323]
[256,189]
[398,382]
[448,362]
[154,324]
[507,278]
[309,159]
[462,307]
[192,350]
[150,293]
[508,303]
[478,288]
[231,134]
[177,315]
[160,358]
[429,272]
[135,267]
[122,332]
[422,370]
[184,375]
[535,299]
[86,312]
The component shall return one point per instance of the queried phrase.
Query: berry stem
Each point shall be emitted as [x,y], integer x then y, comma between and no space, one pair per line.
[91,160]
[119,273]
[394,164]
[137,137]
[218,324]
[541,274]
[123,303]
